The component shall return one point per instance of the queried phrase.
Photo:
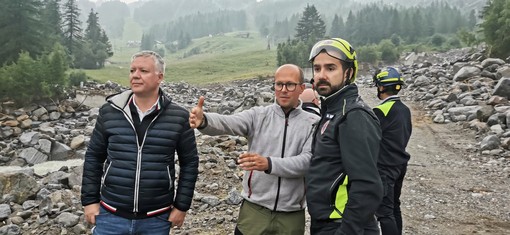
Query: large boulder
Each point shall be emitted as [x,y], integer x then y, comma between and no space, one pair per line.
[17,187]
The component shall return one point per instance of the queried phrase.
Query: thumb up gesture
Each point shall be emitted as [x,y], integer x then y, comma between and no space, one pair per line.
[196,116]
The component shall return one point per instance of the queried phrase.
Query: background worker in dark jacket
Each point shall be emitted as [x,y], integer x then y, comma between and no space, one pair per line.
[128,177]
[343,185]
[395,119]
[310,101]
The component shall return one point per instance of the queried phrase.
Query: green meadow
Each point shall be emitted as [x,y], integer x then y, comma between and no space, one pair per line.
[215,59]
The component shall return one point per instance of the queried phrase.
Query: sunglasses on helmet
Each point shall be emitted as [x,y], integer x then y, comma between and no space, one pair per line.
[334,48]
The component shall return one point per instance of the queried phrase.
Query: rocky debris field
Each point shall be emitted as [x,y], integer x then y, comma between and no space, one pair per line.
[457,180]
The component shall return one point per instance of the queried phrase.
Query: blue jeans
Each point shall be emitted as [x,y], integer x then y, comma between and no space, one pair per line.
[110,224]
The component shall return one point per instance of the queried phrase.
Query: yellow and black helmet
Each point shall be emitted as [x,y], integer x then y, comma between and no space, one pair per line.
[337,48]
[388,76]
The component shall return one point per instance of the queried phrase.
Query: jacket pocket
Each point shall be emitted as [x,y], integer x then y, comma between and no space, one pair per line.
[103,179]
[170,181]
[338,196]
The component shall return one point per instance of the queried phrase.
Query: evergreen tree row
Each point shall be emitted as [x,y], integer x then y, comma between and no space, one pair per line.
[178,34]
[34,27]
[374,23]
[378,31]
[39,44]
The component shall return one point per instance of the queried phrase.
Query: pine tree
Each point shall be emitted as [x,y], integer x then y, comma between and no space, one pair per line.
[496,28]
[52,18]
[310,27]
[93,30]
[147,42]
[337,27]
[21,29]
[472,19]
[97,47]
[72,27]
[113,23]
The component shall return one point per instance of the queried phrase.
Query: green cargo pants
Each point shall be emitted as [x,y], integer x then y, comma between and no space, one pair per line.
[256,220]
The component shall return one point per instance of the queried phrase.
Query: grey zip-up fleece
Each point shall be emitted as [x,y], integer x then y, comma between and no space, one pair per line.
[285,140]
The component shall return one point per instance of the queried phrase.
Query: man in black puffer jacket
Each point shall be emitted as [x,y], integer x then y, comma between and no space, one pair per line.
[128,177]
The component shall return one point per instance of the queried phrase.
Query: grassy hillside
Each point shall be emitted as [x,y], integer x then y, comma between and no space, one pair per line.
[217,59]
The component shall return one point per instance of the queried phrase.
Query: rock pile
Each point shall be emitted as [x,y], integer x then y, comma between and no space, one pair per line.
[473,90]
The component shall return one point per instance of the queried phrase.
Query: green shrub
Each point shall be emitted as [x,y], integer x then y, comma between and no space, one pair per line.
[76,77]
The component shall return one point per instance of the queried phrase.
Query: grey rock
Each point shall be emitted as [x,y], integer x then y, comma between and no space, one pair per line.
[39,112]
[491,61]
[497,129]
[10,229]
[422,81]
[29,138]
[5,211]
[234,197]
[490,142]
[68,219]
[27,205]
[466,73]
[484,112]
[466,110]
[47,129]
[211,200]
[439,119]
[503,71]
[59,151]
[45,146]
[33,156]
[503,88]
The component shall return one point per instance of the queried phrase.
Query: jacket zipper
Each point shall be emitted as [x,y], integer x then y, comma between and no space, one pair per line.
[139,163]
[170,182]
[333,189]
[105,174]
[283,154]
[139,154]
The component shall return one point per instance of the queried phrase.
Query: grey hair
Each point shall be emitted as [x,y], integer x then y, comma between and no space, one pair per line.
[158,60]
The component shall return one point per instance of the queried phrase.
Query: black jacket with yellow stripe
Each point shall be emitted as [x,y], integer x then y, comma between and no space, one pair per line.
[343,181]
[395,118]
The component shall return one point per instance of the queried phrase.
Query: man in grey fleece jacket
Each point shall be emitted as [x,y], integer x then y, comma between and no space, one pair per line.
[279,152]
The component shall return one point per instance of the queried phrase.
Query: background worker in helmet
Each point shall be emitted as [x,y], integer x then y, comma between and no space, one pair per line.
[344,188]
[395,119]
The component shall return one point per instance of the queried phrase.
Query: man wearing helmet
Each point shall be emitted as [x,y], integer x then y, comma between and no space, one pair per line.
[344,188]
[395,119]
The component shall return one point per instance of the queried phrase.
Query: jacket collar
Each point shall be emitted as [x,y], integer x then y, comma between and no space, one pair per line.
[333,102]
[278,109]
[391,98]
[122,99]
